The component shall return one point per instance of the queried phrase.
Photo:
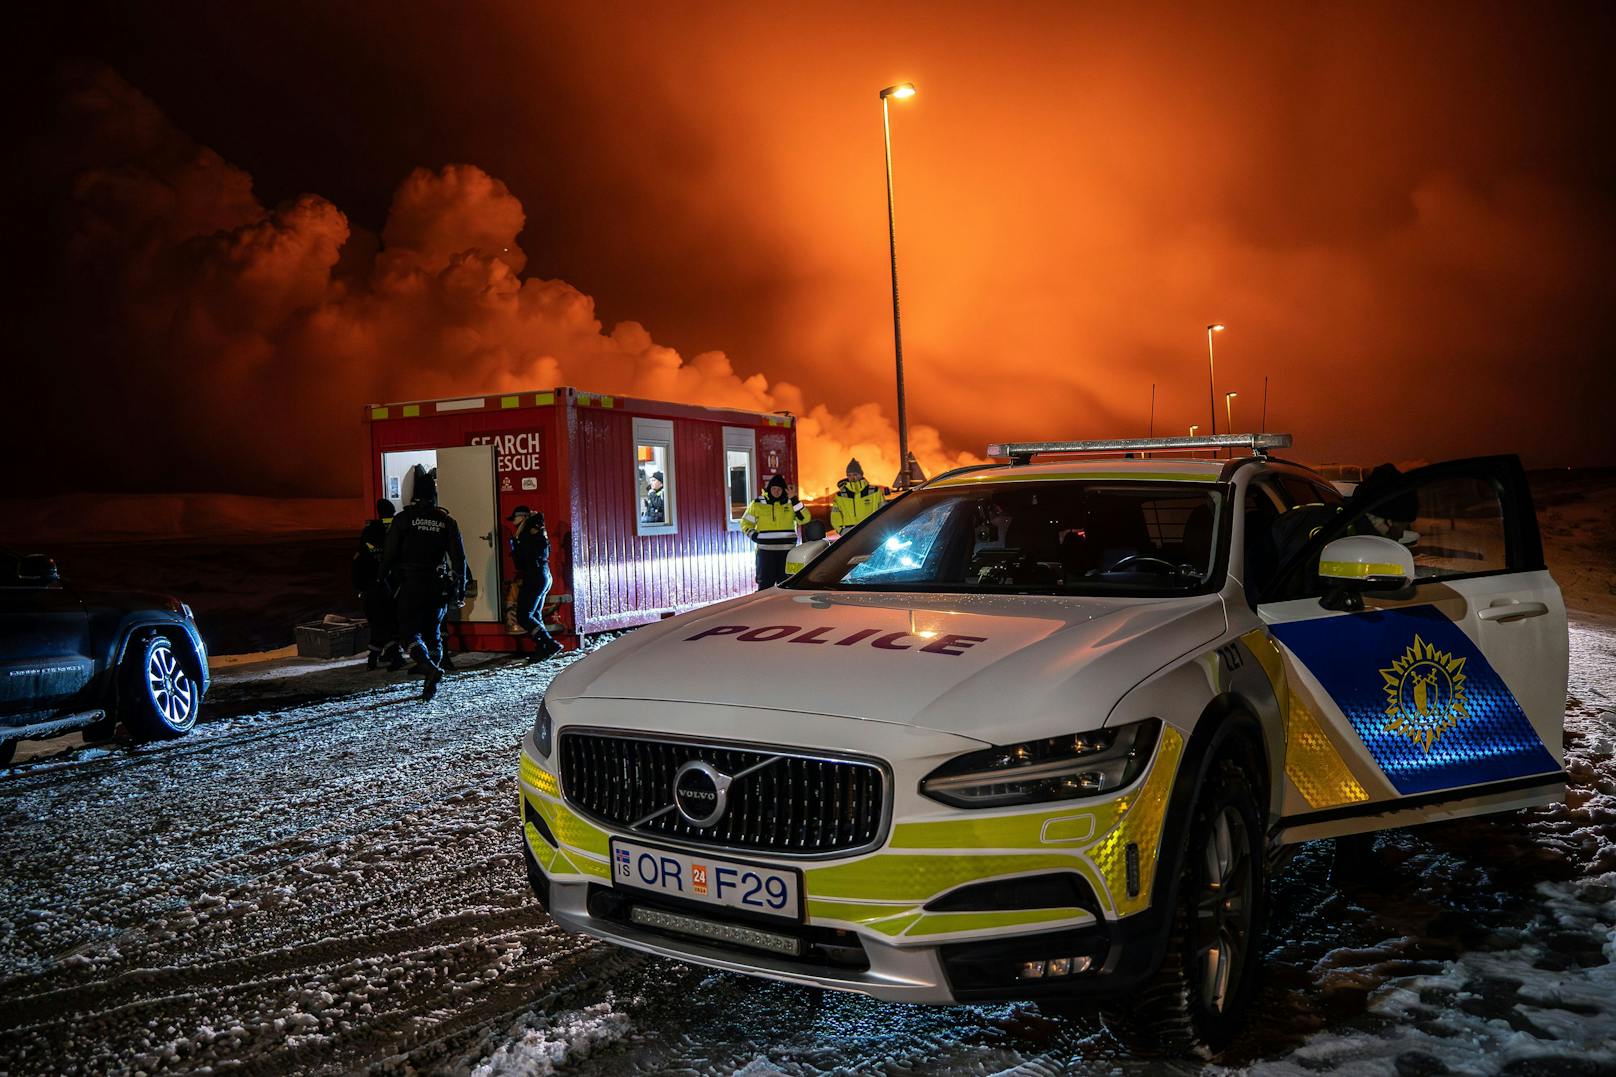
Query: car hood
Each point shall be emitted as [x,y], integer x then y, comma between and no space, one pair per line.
[972,665]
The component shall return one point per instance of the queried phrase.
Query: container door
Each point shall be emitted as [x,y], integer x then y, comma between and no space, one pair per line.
[466,488]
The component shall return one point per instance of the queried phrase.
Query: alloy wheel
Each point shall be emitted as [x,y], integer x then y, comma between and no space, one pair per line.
[172,692]
[1223,908]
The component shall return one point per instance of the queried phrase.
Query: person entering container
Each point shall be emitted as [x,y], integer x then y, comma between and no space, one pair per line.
[771,521]
[530,550]
[376,591]
[425,553]
[856,500]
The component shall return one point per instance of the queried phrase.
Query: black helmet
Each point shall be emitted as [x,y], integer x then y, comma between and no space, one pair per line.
[384,509]
[426,487]
[520,510]
[776,480]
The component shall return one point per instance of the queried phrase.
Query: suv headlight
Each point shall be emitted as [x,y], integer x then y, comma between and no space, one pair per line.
[1055,768]
[543,730]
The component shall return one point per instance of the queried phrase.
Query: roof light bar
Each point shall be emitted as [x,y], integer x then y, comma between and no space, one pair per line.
[1022,451]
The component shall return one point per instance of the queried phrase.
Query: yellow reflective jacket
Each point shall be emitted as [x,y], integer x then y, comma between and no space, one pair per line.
[855,501]
[774,523]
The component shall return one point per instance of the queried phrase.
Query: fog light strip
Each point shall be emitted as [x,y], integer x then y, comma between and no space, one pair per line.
[708,929]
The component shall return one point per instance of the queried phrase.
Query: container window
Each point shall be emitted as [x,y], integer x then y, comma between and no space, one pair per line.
[654,477]
[740,472]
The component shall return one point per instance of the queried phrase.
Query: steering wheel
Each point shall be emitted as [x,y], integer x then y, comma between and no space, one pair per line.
[1142,559]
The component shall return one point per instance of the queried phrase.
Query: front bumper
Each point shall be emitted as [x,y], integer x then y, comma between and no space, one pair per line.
[881,905]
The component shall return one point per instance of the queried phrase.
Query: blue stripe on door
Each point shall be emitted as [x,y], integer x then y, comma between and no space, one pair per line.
[1424,700]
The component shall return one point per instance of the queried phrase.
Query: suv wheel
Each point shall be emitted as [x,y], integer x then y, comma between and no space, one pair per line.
[1198,998]
[8,752]
[157,697]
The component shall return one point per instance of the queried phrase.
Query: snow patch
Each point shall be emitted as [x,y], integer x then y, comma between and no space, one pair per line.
[540,1043]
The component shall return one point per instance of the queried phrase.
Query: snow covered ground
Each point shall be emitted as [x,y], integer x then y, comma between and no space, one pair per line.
[326,877]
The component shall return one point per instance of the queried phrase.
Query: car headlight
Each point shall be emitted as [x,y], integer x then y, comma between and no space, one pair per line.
[543,730]
[1055,768]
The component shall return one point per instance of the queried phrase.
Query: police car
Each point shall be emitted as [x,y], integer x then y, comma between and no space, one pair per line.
[1043,729]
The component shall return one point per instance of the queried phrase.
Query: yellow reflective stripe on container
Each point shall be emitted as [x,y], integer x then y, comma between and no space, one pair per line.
[1015,475]
[510,401]
[411,410]
[543,399]
[940,923]
[1141,826]
[1353,570]
[378,413]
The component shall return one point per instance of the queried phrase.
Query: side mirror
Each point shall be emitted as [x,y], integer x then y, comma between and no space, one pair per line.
[1353,566]
[37,568]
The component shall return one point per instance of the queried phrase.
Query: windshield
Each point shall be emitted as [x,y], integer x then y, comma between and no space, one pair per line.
[1033,537]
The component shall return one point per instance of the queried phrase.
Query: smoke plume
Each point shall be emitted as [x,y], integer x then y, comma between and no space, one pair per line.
[248,338]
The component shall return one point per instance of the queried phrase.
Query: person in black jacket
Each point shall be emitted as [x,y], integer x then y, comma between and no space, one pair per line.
[376,591]
[530,550]
[425,554]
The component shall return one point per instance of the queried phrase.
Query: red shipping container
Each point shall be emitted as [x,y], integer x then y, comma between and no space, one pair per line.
[585,460]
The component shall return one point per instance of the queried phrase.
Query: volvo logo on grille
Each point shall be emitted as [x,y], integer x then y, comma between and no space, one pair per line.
[701,792]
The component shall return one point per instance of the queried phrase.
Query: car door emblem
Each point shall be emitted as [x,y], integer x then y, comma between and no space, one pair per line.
[701,792]
[1425,693]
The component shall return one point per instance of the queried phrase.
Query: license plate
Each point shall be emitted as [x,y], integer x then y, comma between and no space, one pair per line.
[709,880]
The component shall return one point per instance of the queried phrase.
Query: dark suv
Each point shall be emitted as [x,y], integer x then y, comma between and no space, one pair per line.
[78,659]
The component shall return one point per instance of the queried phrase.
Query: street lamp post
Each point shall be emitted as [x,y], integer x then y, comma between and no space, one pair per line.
[1211,392]
[900,91]
[1193,428]
[1228,404]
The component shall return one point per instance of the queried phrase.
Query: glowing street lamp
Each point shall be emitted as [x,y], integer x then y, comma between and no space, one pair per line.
[1193,428]
[1228,404]
[1211,393]
[901,91]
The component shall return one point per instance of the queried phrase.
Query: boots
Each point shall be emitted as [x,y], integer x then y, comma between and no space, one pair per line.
[547,648]
[395,661]
[430,671]
[372,658]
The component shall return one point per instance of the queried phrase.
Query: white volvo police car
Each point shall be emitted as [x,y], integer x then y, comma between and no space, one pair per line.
[1041,730]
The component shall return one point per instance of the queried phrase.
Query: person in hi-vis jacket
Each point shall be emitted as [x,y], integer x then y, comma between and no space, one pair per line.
[855,501]
[771,522]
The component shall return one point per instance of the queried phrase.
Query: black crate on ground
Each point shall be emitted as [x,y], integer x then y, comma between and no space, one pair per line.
[332,639]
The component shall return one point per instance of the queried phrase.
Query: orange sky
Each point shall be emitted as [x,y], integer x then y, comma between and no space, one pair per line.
[1405,217]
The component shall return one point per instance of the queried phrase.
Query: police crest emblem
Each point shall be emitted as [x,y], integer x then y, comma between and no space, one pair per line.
[1425,693]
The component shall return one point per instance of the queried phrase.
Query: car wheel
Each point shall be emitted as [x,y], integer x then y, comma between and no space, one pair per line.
[1198,999]
[8,752]
[157,697]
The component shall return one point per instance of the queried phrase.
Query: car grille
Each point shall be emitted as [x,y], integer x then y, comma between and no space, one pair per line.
[796,805]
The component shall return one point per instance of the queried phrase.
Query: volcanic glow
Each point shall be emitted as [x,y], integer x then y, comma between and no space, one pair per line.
[1416,250]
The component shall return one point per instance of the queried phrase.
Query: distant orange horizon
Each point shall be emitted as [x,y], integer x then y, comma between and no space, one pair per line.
[1416,252]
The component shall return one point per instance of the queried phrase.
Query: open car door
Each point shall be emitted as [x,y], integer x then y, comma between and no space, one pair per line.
[1443,699]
